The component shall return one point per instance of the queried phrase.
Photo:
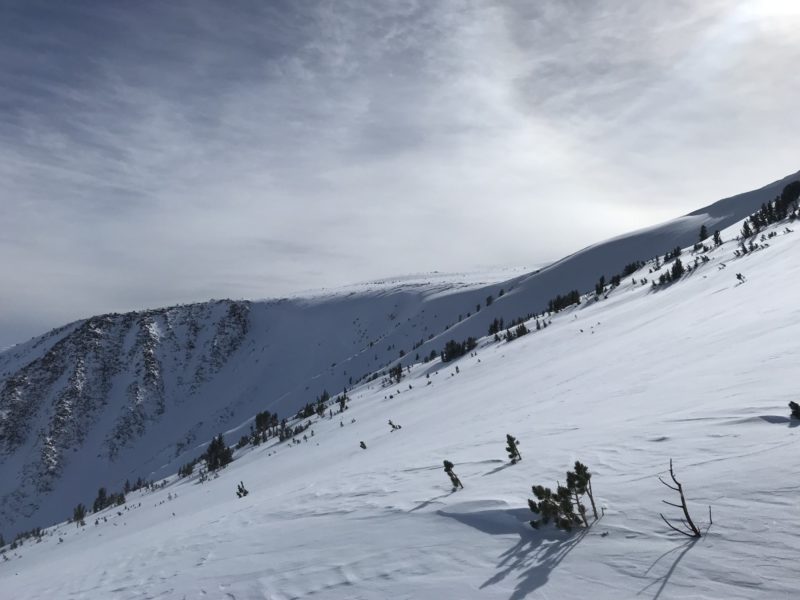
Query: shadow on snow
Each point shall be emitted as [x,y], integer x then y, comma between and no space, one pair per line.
[664,579]
[532,557]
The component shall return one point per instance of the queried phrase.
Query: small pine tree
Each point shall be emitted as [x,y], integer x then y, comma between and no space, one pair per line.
[78,515]
[320,407]
[717,238]
[580,480]
[363,445]
[703,232]
[101,501]
[511,447]
[564,506]
[396,373]
[217,454]
[241,491]
[600,286]
[677,269]
[448,468]
[795,409]
[746,231]
[186,470]
[556,507]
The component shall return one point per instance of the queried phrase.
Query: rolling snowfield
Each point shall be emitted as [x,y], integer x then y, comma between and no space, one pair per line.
[118,397]
[700,371]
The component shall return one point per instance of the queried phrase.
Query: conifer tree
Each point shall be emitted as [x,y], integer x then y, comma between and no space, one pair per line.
[511,447]
[396,373]
[241,491]
[363,446]
[703,232]
[717,238]
[600,286]
[677,269]
[448,468]
[581,481]
[556,507]
[795,409]
[78,515]
[217,454]
[564,506]
[101,501]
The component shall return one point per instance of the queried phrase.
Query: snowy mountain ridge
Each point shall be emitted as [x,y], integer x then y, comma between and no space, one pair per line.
[117,397]
[699,370]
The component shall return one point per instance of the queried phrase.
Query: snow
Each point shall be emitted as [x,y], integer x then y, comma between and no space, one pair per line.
[158,384]
[700,372]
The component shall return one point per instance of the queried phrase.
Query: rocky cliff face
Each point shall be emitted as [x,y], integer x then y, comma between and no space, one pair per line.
[105,380]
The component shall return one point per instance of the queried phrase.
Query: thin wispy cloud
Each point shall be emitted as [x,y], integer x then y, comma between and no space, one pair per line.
[165,152]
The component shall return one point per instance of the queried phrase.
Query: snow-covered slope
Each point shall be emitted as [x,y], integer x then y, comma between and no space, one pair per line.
[117,397]
[700,371]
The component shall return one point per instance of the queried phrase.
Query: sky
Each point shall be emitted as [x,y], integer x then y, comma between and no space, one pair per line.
[153,153]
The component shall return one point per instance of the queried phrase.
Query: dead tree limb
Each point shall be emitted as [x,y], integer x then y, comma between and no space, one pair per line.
[591,498]
[689,529]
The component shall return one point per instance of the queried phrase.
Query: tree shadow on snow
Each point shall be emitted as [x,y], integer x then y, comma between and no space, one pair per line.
[664,579]
[497,470]
[771,419]
[779,420]
[533,557]
[425,503]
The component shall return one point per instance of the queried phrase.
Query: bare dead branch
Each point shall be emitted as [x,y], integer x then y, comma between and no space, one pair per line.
[591,499]
[691,529]
[671,526]
[668,485]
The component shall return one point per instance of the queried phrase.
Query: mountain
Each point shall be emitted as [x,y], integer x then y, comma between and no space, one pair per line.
[121,396]
[697,372]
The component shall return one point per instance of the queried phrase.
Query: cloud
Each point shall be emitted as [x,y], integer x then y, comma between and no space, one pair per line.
[168,152]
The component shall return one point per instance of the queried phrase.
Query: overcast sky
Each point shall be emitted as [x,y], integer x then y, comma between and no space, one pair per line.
[162,152]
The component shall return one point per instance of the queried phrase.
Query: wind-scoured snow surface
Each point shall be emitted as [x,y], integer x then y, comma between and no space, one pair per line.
[118,397]
[700,371]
